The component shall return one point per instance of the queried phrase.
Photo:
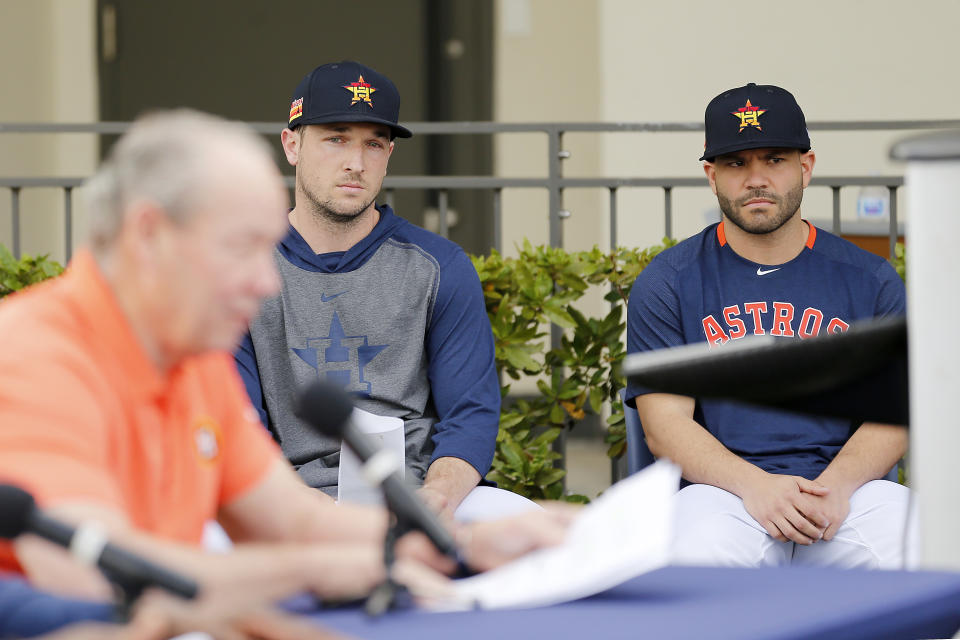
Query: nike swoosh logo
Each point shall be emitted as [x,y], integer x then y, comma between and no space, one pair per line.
[762,272]
[325,298]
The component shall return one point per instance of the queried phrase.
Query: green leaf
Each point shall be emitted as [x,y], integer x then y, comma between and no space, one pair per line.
[559,317]
[513,454]
[570,389]
[519,357]
[553,492]
[544,388]
[596,399]
[556,414]
[547,437]
[617,449]
[505,482]
[616,418]
[510,420]
[549,476]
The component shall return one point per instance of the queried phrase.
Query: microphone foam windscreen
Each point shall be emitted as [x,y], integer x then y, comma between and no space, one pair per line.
[324,406]
[16,505]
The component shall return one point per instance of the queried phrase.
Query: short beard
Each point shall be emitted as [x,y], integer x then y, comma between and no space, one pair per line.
[326,209]
[787,207]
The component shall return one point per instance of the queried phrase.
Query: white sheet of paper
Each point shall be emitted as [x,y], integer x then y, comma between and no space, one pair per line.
[618,536]
[388,434]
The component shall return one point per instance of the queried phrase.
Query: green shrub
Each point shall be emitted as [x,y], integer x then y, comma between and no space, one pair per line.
[17,274]
[523,296]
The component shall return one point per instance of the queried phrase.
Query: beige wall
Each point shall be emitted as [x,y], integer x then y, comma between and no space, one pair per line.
[850,60]
[49,75]
[568,60]
[624,60]
[546,69]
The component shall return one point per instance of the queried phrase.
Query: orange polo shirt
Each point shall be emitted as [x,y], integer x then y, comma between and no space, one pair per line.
[85,416]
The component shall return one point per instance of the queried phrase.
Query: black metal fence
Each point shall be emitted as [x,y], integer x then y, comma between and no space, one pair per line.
[555,182]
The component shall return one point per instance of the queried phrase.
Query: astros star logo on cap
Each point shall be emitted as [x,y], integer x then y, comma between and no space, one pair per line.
[749,116]
[361,91]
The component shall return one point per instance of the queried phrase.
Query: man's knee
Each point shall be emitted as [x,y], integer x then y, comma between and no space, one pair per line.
[713,529]
[872,536]
[880,517]
[879,495]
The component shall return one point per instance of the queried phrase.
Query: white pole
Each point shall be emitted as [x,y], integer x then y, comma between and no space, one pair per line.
[933,312]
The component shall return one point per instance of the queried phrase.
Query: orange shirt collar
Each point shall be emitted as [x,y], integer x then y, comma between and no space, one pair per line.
[108,325]
[811,236]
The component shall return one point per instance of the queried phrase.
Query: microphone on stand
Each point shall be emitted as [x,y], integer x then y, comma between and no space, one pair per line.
[328,409]
[88,544]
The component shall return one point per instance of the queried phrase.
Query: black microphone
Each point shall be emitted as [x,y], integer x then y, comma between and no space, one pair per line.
[328,409]
[19,514]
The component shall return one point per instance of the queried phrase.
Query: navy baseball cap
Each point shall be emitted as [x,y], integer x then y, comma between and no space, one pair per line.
[754,117]
[346,92]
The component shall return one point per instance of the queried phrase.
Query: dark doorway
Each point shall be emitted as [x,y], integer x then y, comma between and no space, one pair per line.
[242,58]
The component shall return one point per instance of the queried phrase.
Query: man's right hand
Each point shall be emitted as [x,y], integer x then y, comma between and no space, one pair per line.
[781,505]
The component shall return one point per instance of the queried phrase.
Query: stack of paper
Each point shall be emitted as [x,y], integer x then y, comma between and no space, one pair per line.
[621,534]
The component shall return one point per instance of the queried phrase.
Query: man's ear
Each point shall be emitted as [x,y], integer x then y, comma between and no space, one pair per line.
[389,153]
[290,140]
[807,160]
[711,171]
[145,230]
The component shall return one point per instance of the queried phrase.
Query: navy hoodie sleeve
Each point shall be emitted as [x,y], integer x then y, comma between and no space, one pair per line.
[246,361]
[462,371]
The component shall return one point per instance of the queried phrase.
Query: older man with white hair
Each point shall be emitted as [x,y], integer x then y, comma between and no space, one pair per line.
[120,403]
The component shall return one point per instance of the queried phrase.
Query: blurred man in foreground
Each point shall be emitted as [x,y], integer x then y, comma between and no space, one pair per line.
[27,613]
[120,403]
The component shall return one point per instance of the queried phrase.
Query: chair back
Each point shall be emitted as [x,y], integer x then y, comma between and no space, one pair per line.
[638,455]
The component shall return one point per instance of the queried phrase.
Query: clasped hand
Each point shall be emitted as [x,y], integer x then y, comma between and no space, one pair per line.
[792,508]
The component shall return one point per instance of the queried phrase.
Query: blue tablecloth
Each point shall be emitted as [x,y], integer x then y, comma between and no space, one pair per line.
[701,603]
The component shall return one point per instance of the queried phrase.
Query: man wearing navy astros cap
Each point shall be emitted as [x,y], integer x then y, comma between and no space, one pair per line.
[765,487]
[393,313]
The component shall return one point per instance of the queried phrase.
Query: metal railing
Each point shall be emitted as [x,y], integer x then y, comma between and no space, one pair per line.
[555,183]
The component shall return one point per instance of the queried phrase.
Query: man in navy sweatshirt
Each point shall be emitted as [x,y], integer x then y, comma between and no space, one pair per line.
[393,313]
